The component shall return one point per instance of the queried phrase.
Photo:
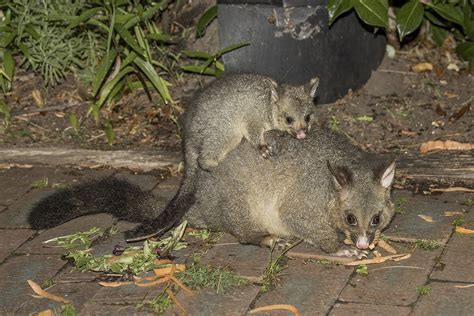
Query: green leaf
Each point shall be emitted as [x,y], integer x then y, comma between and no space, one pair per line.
[469,30]
[149,71]
[434,19]
[8,64]
[205,20]
[103,70]
[466,50]
[32,32]
[373,12]
[74,122]
[85,16]
[437,34]
[449,12]
[6,40]
[337,7]
[109,132]
[409,18]
[197,54]
[5,109]
[199,69]
[104,94]
[230,48]
[129,39]
[159,37]
[24,50]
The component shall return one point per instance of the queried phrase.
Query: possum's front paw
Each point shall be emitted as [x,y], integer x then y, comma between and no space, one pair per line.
[269,149]
[359,254]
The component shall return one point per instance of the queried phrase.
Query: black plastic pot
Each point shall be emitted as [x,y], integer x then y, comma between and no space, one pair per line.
[292,42]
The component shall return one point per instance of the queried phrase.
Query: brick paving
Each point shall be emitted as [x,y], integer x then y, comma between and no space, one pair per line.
[314,288]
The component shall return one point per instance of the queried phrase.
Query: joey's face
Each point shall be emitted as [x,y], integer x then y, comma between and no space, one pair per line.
[295,112]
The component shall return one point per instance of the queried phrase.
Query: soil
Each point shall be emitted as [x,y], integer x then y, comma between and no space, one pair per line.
[396,111]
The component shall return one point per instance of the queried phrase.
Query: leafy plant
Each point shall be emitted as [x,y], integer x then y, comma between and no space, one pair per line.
[423,290]
[211,64]
[40,184]
[362,270]
[130,35]
[440,17]
[427,244]
[400,205]
[216,278]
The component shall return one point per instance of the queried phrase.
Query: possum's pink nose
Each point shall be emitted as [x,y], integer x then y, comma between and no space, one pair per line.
[300,134]
[362,242]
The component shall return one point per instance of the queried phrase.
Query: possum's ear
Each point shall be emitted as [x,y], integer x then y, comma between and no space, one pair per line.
[274,90]
[312,87]
[387,176]
[342,176]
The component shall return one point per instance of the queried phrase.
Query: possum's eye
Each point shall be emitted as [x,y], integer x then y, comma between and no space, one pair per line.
[351,220]
[289,119]
[375,220]
[307,118]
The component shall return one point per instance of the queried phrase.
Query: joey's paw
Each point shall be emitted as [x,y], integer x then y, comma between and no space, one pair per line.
[265,151]
[269,150]
[359,254]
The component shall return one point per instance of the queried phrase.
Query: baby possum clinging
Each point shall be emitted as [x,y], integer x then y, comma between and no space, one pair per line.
[244,106]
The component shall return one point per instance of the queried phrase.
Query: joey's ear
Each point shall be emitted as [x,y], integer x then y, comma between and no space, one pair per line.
[342,175]
[312,87]
[274,90]
[386,175]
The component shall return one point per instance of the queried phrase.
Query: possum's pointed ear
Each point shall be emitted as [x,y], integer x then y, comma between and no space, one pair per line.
[342,176]
[312,87]
[386,174]
[274,90]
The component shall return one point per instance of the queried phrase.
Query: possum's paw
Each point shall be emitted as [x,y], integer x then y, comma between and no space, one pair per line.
[269,150]
[274,242]
[359,254]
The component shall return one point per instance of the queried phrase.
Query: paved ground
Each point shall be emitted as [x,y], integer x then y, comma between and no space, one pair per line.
[313,287]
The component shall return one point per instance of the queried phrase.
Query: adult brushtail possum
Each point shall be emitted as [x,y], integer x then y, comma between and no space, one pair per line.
[315,189]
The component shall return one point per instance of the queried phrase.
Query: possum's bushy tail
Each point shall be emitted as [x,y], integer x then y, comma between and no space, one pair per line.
[117,197]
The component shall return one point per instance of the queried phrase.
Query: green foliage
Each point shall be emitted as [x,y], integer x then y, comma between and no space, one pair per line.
[202,234]
[211,66]
[159,304]
[131,259]
[372,12]
[36,30]
[218,278]
[68,310]
[205,20]
[409,18]
[440,16]
[400,207]
[459,221]
[78,240]
[130,35]
[423,290]
[40,184]
[362,270]
[5,110]
[427,244]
